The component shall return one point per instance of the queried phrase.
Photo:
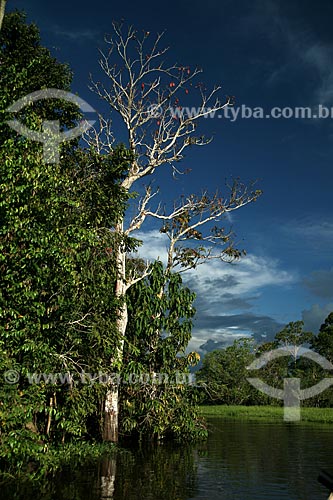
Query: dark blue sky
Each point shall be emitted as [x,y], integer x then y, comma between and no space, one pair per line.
[266,54]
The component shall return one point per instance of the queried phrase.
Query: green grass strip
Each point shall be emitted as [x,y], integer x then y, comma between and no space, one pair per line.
[319,415]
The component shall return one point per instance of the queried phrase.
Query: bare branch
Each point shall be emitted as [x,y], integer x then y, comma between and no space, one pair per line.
[142,213]
[186,222]
[80,321]
[132,281]
[151,98]
[100,139]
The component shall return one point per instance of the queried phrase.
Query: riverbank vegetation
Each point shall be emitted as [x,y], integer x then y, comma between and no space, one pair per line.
[265,413]
[226,374]
[93,339]
[83,320]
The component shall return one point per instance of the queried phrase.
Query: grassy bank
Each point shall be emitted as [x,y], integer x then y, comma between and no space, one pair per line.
[319,415]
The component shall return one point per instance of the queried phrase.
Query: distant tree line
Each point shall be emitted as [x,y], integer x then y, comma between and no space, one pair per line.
[224,373]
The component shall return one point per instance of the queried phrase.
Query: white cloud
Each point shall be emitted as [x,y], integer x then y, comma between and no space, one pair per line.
[249,275]
[155,245]
[75,35]
[218,338]
[314,229]
[223,289]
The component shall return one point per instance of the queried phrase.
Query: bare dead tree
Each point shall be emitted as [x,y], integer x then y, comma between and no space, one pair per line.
[151,97]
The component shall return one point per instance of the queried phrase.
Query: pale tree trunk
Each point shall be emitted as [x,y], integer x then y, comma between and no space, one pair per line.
[2,11]
[128,94]
[111,405]
[111,415]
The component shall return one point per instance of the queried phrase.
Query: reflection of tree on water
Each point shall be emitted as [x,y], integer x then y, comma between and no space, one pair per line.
[107,473]
[154,472]
[163,472]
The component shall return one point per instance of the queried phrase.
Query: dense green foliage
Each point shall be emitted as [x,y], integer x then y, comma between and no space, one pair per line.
[59,310]
[57,304]
[224,373]
[161,402]
[26,66]
[58,307]
[323,342]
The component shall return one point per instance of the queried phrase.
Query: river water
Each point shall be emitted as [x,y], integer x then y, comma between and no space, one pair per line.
[240,461]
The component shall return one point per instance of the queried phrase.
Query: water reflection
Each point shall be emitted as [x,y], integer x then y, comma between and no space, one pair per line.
[242,460]
[107,474]
[254,461]
[160,472]
[152,472]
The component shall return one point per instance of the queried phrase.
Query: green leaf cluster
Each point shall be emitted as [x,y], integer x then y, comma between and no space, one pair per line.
[161,402]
